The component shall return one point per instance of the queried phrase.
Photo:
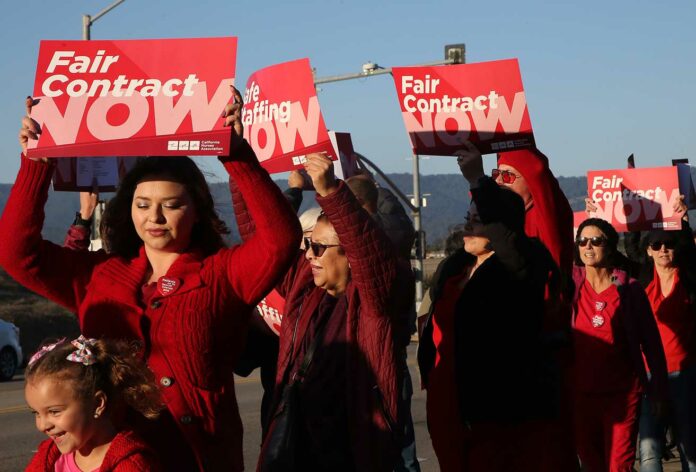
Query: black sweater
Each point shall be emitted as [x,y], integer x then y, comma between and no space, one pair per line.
[504,372]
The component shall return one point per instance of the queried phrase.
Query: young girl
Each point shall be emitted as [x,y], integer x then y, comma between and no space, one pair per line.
[76,390]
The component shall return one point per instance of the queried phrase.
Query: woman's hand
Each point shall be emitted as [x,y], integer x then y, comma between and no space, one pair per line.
[321,171]
[88,202]
[590,206]
[296,180]
[680,209]
[470,163]
[30,129]
[233,117]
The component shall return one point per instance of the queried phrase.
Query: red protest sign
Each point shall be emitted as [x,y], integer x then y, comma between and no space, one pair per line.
[281,116]
[445,105]
[578,218]
[636,199]
[85,174]
[271,310]
[133,97]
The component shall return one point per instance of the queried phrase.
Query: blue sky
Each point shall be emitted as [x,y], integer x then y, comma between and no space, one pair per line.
[603,79]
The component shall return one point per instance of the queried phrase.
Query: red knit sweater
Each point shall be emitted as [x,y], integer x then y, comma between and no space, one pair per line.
[193,336]
[126,453]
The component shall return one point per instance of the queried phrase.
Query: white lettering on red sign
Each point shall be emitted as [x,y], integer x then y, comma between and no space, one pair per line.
[616,203]
[434,123]
[304,125]
[444,104]
[169,116]
[122,86]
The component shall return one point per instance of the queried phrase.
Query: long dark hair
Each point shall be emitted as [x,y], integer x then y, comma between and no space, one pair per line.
[117,229]
[613,257]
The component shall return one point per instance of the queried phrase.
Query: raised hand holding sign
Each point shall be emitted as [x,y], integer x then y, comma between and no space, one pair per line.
[320,170]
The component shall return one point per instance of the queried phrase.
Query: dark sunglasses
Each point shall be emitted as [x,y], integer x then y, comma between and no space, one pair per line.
[507,176]
[657,245]
[318,249]
[596,241]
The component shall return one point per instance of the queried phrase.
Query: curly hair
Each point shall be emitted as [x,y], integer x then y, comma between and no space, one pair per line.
[117,229]
[613,257]
[118,372]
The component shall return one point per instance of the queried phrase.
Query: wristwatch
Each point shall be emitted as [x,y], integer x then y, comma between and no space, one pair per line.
[80,222]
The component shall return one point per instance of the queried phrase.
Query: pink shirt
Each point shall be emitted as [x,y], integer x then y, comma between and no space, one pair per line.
[66,463]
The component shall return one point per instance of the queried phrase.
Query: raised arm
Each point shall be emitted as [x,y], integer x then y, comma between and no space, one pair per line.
[371,256]
[293,194]
[78,236]
[505,231]
[59,274]
[256,265]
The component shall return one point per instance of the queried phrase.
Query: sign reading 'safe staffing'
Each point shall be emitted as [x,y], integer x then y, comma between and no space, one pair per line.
[133,97]
[484,103]
[281,115]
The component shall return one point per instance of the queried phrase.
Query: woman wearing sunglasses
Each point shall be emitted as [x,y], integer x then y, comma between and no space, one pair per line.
[343,298]
[613,331]
[668,273]
[547,212]
[491,387]
[548,216]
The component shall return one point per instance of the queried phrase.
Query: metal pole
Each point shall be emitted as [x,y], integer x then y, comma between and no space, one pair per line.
[107,10]
[420,246]
[86,23]
[380,71]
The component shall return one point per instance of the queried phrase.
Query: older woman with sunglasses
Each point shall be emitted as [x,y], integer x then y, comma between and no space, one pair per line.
[343,298]
[668,273]
[613,330]
[548,216]
[491,387]
[547,212]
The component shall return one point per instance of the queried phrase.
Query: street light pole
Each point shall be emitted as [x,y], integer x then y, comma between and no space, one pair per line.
[87,22]
[420,234]
[454,54]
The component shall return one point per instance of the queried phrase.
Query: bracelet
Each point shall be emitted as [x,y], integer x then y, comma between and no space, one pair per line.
[81,222]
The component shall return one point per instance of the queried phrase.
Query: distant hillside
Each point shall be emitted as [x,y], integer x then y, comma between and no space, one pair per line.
[446,205]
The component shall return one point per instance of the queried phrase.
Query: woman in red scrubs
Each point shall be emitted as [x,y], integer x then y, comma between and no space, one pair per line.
[613,329]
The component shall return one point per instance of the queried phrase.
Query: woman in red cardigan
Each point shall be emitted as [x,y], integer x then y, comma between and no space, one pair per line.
[167,281]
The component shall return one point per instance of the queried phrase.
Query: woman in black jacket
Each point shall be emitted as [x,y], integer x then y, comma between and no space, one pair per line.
[491,383]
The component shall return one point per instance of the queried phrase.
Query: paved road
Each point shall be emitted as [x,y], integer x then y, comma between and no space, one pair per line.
[19,437]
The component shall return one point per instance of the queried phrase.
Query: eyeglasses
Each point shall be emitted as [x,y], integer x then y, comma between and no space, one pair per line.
[657,245]
[507,176]
[596,241]
[317,248]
